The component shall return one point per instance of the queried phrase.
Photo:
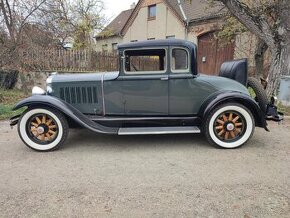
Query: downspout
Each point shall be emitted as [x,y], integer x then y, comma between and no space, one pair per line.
[184,19]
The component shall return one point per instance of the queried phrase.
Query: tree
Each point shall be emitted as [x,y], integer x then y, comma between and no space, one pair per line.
[46,23]
[269,20]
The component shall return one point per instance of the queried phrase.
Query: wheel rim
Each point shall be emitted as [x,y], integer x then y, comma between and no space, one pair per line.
[42,129]
[229,126]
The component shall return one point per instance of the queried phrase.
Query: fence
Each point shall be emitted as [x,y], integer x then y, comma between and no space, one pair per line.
[68,60]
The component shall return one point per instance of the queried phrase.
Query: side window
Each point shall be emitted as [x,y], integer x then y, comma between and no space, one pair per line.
[145,61]
[179,60]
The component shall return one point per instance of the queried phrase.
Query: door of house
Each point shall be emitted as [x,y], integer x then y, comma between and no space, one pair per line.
[212,53]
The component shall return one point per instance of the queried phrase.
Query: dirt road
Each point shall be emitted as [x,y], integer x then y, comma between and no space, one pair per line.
[146,176]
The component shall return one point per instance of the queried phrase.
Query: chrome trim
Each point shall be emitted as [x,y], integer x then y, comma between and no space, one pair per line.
[159,130]
[103,94]
[37,91]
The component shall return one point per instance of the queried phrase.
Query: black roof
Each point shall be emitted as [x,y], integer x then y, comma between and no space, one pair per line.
[157,43]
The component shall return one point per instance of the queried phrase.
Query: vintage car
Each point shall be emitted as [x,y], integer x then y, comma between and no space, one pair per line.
[157,90]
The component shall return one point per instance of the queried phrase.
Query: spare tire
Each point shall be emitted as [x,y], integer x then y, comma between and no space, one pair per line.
[258,93]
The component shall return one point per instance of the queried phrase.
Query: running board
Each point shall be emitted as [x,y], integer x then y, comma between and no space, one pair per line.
[158,130]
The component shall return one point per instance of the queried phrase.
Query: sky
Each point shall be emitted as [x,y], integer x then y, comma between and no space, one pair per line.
[114,7]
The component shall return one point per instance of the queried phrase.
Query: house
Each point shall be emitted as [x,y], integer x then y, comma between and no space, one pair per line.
[164,19]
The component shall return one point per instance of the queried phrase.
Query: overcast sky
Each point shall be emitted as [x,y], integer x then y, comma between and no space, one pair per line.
[114,7]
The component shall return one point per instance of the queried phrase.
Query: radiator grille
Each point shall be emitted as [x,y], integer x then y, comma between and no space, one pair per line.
[79,95]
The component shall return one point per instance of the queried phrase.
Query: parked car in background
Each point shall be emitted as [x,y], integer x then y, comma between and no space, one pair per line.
[157,90]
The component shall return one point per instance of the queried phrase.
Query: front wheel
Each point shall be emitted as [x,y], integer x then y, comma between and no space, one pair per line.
[43,129]
[229,126]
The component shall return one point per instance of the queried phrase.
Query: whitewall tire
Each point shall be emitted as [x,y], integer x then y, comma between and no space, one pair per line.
[43,129]
[229,126]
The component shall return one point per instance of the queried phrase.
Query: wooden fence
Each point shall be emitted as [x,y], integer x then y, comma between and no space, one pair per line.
[68,60]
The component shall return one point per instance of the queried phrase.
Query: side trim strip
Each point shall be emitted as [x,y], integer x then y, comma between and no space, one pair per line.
[103,95]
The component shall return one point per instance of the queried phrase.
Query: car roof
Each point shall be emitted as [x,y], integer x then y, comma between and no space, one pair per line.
[157,43]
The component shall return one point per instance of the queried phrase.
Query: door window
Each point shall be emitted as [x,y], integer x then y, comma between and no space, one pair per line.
[179,60]
[145,61]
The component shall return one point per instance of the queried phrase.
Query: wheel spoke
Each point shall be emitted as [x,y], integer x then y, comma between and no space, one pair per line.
[44,119]
[52,127]
[238,124]
[232,134]
[220,121]
[42,137]
[219,127]
[237,131]
[236,119]
[51,132]
[34,124]
[231,117]
[227,135]
[48,122]
[38,120]
[225,118]
[221,132]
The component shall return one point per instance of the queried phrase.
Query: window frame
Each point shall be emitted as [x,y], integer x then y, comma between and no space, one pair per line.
[152,17]
[188,60]
[137,73]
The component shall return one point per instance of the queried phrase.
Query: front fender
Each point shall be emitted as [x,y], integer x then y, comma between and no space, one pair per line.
[238,97]
[67,109]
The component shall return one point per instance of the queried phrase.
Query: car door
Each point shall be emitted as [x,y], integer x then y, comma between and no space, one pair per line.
[186,92]
[145,82]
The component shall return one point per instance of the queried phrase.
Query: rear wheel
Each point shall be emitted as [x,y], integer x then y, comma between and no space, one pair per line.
[43,129]
[229,126]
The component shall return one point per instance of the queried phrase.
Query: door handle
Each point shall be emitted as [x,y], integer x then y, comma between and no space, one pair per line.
[164,78]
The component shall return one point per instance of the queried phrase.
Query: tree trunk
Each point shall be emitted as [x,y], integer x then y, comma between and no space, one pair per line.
[280,66]
[259,58]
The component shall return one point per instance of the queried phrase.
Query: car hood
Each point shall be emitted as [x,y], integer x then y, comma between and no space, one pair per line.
[222,83]
[83,77]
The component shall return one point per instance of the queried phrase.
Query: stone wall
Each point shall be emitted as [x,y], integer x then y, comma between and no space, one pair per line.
[26,81]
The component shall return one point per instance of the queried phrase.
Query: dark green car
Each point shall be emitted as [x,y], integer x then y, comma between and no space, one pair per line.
[157,90]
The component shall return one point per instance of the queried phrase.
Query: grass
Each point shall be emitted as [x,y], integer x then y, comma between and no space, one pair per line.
[8,98]
[284,109]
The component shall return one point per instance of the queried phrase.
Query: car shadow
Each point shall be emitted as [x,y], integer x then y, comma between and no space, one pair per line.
[82,137]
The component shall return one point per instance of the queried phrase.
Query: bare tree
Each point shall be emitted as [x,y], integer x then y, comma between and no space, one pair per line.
[269,20]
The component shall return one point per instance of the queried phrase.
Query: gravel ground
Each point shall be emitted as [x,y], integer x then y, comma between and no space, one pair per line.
[146,176]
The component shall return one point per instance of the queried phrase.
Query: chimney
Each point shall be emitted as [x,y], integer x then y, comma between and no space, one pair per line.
[133,5]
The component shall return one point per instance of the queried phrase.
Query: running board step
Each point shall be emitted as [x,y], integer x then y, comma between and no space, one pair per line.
[158,130]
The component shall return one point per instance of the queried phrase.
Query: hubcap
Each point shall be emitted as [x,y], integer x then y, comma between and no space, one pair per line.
[229,126]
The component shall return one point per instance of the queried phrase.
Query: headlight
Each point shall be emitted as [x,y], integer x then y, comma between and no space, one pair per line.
[37,91]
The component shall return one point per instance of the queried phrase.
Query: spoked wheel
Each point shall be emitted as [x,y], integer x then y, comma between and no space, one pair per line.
[43,129]
[229,126]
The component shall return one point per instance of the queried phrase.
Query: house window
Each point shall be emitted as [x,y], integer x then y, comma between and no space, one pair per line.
[151,38]
[114,46]
[170,37]
[145,61]
[180,61]
[105,47]
[151,12]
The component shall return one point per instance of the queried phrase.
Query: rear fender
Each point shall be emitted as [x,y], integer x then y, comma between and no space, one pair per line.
[237,97]
[67,109]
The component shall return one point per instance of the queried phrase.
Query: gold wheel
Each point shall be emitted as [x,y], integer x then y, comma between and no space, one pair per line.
[42,129]
[229,126]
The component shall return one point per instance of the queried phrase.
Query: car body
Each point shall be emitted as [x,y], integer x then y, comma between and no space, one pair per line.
[157,90]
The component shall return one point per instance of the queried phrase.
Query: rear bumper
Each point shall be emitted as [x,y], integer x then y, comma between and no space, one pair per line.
[273,114]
